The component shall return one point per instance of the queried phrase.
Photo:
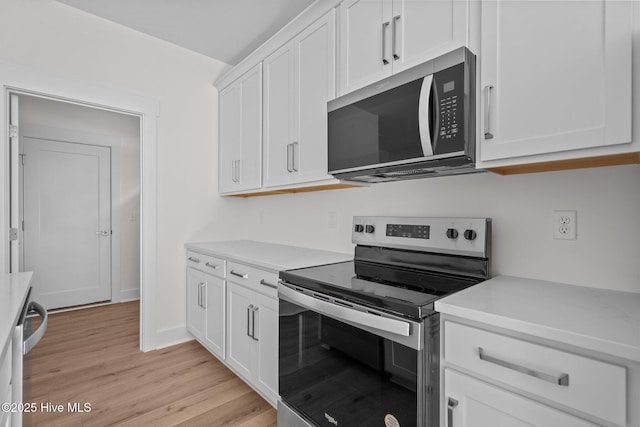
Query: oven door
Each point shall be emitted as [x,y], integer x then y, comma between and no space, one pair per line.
[340,366]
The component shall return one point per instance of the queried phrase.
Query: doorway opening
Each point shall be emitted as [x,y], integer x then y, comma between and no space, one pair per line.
[78,213]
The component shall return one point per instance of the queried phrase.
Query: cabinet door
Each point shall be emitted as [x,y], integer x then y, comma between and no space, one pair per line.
[240,133]
[315,66]
[239,342]
[279,118]
[265,368]
[215,303]
[249,166]
[365,42]
[228,132]
[556,76]
[422,30]
[196,282]
[468,402]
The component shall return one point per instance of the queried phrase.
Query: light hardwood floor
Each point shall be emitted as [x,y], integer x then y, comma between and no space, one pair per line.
[92,356]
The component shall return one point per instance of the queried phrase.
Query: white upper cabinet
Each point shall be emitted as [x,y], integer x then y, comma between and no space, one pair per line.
[299,79]
[240,133]
[381,37]
[555,76]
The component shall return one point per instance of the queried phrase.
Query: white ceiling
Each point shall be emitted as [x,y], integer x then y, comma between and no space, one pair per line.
[227,30]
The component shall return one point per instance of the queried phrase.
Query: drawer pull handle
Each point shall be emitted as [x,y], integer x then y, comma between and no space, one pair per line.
[211,265]
[241,275]
[562,379]
[192,259]
[270,285]
[451,405]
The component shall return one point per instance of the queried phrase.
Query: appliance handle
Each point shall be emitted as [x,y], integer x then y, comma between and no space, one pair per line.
[424,112]
[36,336]
[385,324]
[562,379]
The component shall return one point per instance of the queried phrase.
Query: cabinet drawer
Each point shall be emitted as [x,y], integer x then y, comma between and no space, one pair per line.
[591,386]
[206,263]
[259,280]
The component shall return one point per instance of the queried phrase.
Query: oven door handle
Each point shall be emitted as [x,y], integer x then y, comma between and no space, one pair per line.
[346,314]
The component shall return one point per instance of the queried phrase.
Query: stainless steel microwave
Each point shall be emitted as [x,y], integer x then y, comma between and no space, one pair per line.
[415,124]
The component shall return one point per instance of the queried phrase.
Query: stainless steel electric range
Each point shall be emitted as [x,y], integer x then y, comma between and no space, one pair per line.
[359,340]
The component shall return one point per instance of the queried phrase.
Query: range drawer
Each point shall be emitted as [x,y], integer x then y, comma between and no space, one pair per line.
[256,279]
[206,263]
[594,387]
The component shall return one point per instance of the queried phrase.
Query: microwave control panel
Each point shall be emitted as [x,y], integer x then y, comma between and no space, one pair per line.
[449,86]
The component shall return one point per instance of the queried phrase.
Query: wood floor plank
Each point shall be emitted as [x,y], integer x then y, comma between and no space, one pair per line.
[92,355]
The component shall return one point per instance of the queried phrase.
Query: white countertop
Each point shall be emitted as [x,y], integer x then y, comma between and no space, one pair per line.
[13,294]
[597,319]
[268,256]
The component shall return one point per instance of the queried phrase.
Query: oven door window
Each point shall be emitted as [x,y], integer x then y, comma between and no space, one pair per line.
[336,374]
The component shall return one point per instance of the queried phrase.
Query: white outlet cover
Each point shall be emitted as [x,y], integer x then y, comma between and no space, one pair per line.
[565,225]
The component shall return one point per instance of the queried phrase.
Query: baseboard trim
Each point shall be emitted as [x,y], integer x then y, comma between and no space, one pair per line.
[172,336]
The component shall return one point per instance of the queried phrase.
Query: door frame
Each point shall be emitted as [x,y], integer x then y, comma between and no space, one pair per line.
[20,79]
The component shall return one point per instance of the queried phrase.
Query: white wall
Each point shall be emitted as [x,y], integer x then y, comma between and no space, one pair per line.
[126,209]
[67,42]
[606,253]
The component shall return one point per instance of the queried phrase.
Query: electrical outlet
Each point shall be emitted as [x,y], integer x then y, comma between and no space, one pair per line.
[565,225]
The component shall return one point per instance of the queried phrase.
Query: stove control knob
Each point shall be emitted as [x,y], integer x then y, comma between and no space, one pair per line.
[369,228]
[470,234]
[452,233]
[359,228]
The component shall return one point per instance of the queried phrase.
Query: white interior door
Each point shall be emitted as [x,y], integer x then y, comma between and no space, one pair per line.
[67,221]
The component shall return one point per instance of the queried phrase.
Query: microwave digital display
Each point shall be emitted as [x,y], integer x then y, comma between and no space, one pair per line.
[449,86]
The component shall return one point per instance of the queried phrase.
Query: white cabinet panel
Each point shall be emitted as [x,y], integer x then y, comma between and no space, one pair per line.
[239,342]
[266,364]
[196,282]
[240,133]
[215,308]
[468,402]
[299,79]
[592,386]
[555,76]
[382,37]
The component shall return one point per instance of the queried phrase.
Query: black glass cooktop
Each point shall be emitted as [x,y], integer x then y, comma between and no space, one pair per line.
[404,291]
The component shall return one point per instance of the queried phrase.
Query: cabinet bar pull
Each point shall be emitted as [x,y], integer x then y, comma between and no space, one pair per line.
[241,275]
[193,259]
[487,112]
[204,295]
[211,265]
[249,323]
[270,285]
[233,171]
[254,311]
[394,30]
[562,379]
[451,405]
[238,171]
[289,157]
[294,148]
[384,42]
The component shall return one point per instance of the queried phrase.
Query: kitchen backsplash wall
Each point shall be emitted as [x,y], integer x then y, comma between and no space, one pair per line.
[607,200]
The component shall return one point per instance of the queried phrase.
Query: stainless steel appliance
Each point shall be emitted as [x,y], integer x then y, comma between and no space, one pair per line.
[359,340]
[415,124]
[25,337]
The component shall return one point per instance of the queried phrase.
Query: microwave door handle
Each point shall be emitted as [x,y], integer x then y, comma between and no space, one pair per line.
[424,112]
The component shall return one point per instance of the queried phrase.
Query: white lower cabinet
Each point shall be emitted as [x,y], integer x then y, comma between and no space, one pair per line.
[253,338]
[232,310]
[206,310]
[503,378]
[470,402]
